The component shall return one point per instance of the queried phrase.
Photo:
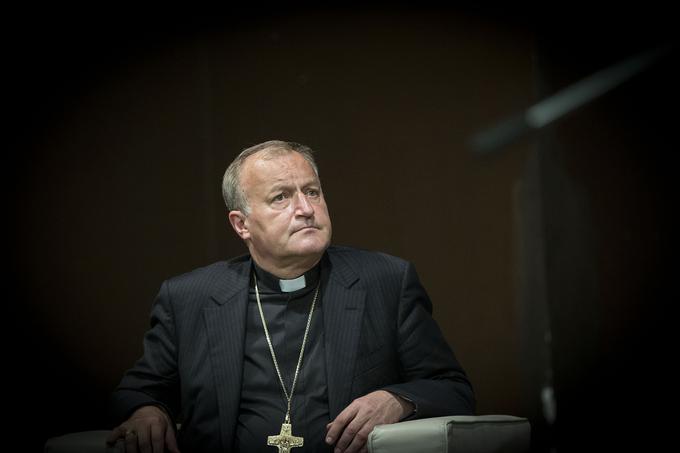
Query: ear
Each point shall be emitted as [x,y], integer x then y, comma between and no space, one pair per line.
[237,219]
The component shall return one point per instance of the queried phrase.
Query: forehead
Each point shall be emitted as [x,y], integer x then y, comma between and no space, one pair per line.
[272,166]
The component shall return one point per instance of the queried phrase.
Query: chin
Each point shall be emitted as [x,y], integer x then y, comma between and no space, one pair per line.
[312,247]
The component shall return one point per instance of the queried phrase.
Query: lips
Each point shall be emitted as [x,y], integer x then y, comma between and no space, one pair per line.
[308,227]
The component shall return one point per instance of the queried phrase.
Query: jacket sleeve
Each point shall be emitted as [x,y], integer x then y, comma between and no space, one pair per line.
[153,380]
[432,377]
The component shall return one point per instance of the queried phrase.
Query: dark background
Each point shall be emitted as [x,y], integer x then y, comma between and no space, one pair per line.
[121,122]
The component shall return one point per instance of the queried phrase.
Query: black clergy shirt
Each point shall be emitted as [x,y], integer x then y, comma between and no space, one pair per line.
[263,403]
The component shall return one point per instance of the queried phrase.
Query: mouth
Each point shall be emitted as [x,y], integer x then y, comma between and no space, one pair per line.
[304,228]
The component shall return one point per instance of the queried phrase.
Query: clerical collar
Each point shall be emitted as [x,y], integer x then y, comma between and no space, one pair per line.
[306,280]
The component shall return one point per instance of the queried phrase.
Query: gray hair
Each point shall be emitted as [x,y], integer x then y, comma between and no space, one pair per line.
[232,192]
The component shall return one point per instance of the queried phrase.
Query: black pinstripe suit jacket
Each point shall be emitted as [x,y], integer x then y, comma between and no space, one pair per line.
[378,330]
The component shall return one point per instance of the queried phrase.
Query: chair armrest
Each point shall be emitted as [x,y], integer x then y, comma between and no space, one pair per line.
[83,442]
[453,434]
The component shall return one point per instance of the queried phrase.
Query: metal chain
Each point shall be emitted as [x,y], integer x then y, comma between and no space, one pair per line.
[271,348]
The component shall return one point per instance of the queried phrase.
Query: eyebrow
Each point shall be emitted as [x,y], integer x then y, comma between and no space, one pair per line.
[284,185]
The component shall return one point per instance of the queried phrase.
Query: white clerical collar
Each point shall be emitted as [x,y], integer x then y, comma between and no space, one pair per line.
[288,286]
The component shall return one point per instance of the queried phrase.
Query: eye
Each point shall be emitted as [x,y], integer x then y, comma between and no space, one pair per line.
[279,197]
[313,193]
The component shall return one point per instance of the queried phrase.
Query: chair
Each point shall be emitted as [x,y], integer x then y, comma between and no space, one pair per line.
[453,434]
[82,442]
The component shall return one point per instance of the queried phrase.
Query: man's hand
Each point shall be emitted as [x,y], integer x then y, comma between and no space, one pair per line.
[148,430]
[350,429]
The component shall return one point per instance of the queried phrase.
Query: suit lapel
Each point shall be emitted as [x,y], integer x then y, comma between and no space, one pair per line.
[343,308]
[226,329]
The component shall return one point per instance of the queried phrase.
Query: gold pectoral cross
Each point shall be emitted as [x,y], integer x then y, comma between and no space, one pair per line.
[285,440]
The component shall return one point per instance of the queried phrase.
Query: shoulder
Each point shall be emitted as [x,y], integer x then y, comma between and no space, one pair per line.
[367,261]
[217,268]
[207,278]
[358,254]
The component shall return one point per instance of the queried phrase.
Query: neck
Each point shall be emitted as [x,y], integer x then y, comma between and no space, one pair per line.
[287,270]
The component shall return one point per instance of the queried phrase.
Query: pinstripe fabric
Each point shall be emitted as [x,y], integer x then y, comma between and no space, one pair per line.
[226,337]
[378,334]
[343,309]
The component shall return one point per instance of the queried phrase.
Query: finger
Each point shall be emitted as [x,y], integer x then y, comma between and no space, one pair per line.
[351,431]
[144,440]
[117,433]
[131,442]
[360,439]
[337,426]
[158,438]
[329,438]
[171,441]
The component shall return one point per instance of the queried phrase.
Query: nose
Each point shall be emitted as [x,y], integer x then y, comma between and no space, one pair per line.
[302,205]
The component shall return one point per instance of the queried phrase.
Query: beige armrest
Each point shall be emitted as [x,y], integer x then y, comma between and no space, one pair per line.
[83,442]
[453,434]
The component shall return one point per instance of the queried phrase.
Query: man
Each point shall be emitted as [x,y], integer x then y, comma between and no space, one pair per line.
[299,345]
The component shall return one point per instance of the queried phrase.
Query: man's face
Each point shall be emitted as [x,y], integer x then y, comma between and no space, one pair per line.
[288,217]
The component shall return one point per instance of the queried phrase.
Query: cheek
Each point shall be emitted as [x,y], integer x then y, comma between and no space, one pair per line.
[323,211]
[277,229]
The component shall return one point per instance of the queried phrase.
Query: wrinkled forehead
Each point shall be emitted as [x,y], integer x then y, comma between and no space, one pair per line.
[272,164]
